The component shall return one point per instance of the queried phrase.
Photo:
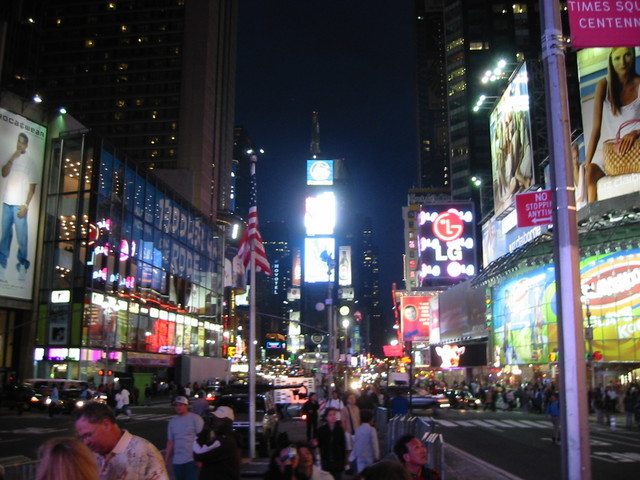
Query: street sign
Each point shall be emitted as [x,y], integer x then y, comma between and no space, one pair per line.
[534,208]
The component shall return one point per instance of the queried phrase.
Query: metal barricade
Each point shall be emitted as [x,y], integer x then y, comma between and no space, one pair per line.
[381,420]
[435,450]
[423,429]
[21,471]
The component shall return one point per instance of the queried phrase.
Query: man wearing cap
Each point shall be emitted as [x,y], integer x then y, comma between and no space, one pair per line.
[182,431]
[216,448]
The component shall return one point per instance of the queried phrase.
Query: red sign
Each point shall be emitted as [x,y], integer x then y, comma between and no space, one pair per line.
[603,23]
[534,208]
[392,350]
[415,317]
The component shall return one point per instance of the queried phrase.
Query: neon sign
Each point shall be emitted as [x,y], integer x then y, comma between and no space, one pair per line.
[446,242]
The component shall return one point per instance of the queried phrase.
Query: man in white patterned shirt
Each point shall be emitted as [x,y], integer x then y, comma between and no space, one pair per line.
[120,455]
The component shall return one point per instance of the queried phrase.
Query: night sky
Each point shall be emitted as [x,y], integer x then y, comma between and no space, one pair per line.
[354,62]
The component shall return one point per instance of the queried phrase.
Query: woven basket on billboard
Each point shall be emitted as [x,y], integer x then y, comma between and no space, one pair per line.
[620,164]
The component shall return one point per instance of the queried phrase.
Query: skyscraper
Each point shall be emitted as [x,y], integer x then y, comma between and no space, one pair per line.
[155,77]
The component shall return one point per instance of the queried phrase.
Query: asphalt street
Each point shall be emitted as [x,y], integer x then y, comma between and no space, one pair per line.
[478,445]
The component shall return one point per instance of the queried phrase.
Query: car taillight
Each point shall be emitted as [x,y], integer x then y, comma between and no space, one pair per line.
[304,417]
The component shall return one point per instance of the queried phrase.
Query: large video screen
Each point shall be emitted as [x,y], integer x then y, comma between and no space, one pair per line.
[446,242]
[320,214]
[512,161]
[22,147]
[319,254]
[604,117]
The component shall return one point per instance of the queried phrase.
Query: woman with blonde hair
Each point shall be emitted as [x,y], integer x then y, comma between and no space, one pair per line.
[66,458]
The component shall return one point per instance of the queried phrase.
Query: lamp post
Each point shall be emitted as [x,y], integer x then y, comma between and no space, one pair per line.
[588,333]
[477,181]
[345,325]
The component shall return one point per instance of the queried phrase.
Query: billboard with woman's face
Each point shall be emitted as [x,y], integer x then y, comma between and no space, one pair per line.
[610,98]
[512,161]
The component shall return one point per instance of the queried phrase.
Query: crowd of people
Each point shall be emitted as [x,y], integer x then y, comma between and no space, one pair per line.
[341,439]
[340,442]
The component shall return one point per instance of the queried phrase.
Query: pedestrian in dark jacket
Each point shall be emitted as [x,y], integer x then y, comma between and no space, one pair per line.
[310,409]
[332,444]
[216,448]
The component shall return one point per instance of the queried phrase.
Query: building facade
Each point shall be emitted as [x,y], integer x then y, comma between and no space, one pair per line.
[132,273]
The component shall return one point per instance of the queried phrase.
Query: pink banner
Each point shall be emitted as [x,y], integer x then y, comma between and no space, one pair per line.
[598,23]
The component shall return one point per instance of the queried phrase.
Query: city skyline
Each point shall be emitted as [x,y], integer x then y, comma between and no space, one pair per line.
[355,66]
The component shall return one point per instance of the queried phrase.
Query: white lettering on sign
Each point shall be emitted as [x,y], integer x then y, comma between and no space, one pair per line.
[617,283]
[540,207]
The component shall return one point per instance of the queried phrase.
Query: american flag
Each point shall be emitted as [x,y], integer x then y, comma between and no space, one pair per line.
[251,234]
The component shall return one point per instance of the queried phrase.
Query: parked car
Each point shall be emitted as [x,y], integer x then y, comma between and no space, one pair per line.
[69,392]
[463,399]
[18,396]
[420,399]
[266,420]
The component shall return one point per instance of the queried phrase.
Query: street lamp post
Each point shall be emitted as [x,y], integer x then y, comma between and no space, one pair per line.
[588,335]
[345,325]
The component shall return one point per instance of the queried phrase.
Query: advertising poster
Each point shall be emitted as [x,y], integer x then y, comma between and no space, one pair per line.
[524,320]
[319,259]
[416,317]
[22,149]
[512,162]
[344,266]
[607,114]
[611,304]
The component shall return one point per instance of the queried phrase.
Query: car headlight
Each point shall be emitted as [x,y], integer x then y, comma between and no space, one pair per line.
[47,401]
[79,403]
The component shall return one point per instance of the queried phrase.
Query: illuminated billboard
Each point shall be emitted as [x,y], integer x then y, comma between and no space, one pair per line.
[416,318]
[446,242]
[320,214]
[320,172]
[319,253]
[612,174]
[512,157]
[22,147]
[525,320]
[344,266]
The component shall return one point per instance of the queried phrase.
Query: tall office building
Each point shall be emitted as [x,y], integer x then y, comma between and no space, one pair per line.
[433,126]
[457,41]
[155,77]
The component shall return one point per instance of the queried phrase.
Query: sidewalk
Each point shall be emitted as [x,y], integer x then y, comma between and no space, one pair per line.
[459,465]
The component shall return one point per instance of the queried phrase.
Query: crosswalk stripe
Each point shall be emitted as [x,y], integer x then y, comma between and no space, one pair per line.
[491,423]
[446,423]
[499,423]
[531,423]
[482,423]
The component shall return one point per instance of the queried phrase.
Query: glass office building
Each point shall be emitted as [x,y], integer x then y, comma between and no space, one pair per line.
[132,274]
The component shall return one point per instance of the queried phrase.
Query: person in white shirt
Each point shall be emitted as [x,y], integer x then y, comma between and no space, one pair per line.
[336,403]
[21,174]
[122,402]
[366,448]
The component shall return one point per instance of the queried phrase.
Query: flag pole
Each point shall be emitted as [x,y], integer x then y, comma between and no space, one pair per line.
[253,159]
